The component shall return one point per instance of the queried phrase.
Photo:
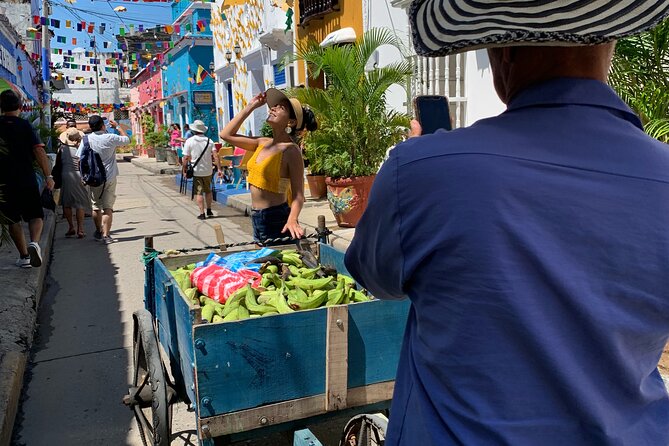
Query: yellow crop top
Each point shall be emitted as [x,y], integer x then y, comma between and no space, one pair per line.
[266,175]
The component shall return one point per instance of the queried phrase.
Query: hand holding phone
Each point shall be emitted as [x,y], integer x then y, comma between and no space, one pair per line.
[432,113]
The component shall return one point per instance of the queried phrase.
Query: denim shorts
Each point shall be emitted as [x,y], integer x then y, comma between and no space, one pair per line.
[268,223]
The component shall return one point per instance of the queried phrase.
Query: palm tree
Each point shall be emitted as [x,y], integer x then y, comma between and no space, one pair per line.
[640,75]
[355,126]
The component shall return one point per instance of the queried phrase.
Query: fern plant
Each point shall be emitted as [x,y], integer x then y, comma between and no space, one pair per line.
[355,126]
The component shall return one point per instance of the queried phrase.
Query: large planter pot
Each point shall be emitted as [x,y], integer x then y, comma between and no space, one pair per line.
[161,154]
[171,157]
[150,152]
[348,198]
[317,186]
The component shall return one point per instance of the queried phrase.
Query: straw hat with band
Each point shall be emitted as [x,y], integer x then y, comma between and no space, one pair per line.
[198,126]
[275,97]
[442,27]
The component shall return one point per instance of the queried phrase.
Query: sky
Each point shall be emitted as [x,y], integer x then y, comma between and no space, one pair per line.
[148,14]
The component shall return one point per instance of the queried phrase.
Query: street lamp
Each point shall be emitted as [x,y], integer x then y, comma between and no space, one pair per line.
[211,66]
[238,51]
[228,55]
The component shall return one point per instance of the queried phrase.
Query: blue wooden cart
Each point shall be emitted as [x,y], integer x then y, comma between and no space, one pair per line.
[243,379]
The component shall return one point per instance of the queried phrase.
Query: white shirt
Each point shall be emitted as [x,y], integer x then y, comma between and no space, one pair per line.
[105,144]
[193,148]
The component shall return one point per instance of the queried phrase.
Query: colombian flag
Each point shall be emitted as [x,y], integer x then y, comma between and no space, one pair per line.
[201,74]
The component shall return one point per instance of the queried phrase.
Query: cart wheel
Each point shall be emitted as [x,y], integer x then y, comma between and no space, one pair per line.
[148,395]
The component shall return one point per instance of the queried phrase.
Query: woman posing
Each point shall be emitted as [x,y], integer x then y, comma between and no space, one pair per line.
[276,169]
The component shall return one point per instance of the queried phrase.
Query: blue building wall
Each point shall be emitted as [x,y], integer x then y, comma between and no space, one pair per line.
[9,47]
[182,66]
[17,67]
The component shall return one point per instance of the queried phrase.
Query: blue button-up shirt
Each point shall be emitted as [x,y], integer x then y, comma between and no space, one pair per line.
[534,247]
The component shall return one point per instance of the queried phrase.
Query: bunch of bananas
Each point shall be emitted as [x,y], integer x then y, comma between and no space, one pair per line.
[287,286]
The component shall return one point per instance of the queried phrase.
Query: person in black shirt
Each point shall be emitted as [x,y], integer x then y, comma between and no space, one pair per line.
[18,185]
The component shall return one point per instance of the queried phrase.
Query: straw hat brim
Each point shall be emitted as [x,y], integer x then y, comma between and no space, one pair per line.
[443,27]
[275,97]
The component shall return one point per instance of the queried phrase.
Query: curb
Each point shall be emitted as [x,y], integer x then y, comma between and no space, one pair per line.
[151,167]
[13,363]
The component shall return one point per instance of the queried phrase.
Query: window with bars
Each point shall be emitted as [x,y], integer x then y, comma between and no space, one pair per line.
[310,9]
[121,114]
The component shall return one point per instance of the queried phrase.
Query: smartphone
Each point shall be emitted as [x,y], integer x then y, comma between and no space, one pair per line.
[432,113]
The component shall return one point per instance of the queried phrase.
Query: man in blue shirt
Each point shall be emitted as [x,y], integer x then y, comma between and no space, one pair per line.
[534,248]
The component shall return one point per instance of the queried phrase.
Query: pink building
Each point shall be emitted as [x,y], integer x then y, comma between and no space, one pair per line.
[148,92]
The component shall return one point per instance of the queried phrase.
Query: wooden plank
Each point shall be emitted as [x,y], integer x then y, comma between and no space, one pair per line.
[264,416]
[304,437]
[283,412]
[374,393]
[375,334]
[260,361]
[220,238]
[336,358]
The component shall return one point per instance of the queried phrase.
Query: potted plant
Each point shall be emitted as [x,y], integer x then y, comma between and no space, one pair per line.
[355,126]
[148,127]
[315,175]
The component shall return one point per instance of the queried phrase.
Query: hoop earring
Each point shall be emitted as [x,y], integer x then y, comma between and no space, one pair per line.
[289,130]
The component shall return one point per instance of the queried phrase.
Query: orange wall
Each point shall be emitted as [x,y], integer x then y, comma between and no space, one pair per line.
[349,15]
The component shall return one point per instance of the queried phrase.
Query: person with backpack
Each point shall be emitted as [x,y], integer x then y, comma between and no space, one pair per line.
[19,148]
[97,164]
[198,162]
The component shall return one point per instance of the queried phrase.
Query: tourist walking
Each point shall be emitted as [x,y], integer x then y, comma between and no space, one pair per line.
[198,150]
[18,184]
[103,197]
[176,142]
[276,169]
[71,124]
[74,195]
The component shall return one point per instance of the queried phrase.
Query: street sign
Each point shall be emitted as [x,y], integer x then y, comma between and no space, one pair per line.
[203,98]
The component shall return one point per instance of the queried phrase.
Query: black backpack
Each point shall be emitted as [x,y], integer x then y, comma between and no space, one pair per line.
[92,169]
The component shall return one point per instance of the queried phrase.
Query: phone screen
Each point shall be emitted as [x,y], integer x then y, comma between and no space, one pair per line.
[432,112]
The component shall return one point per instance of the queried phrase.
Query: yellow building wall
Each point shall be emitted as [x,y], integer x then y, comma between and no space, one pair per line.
[349,16]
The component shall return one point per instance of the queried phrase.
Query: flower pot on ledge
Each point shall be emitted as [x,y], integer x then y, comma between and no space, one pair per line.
[348,198]
[317,186]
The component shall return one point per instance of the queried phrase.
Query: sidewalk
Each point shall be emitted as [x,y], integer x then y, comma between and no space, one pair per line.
[238,199]
[22,291]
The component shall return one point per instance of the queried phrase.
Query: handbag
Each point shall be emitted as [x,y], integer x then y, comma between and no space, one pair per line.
[57,171]
[190,167]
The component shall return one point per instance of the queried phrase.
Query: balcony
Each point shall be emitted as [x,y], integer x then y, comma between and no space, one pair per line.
[311,9]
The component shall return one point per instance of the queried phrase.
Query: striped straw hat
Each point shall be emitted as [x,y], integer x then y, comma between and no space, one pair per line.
[442,27]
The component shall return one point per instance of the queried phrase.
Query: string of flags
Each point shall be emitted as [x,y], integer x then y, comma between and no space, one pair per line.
[89,27]
[89,108]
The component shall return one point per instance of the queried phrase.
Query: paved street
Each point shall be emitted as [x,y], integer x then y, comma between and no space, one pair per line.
[81,362]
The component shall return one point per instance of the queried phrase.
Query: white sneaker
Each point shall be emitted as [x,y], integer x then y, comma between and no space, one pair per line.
[35,254]
[23,262]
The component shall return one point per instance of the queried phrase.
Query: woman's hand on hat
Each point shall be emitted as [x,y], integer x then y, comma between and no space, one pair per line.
[294,228]
[259,100]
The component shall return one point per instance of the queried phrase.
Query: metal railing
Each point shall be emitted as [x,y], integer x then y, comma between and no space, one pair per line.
[442,76]
[310,9]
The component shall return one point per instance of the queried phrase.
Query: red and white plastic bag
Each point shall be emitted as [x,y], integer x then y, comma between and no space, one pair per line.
[219,283]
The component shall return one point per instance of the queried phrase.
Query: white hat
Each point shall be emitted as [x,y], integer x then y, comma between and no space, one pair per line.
[442,27]
[275,97]
[198,126]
